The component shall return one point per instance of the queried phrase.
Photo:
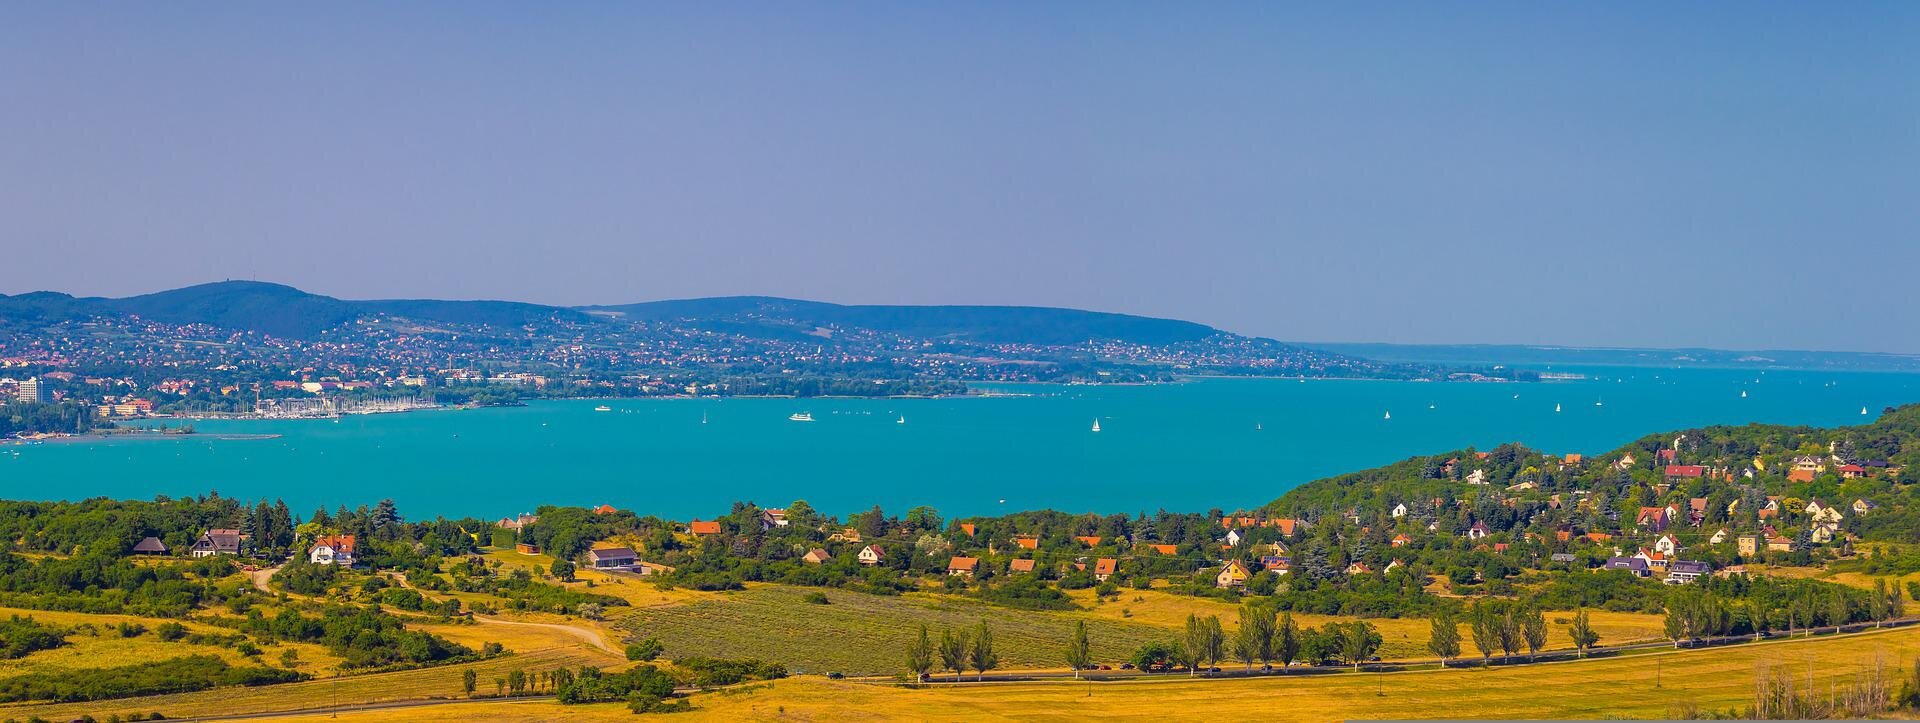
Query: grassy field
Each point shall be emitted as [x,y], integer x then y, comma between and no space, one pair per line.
[864,634]
[1611,688]
[105,647]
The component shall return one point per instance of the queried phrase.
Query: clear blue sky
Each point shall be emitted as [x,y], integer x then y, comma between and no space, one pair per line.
[1740,175]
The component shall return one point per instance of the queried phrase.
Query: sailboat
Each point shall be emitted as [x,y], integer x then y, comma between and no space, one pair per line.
[1863,410]
[1257,427]
[1096,424]
[1389,415]
[1556,407]
[703,417]
[901,420]
[1743,394]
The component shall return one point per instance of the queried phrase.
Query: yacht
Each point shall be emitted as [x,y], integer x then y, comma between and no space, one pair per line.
[800,417]
[603,408]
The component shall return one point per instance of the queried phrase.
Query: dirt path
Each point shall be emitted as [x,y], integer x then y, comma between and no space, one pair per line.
[261,576]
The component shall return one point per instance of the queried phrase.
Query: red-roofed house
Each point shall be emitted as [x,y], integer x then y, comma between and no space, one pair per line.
[332,550]
[1103,568]
[962,566]
[1020,565]
[702,529]
[872,555]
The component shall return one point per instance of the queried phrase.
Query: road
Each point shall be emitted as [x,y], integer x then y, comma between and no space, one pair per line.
[587,635]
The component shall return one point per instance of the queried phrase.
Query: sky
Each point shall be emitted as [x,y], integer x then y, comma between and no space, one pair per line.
[1734,175]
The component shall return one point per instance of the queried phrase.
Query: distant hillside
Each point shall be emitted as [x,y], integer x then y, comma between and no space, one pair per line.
[272,309]
[990,324]
[1542,356]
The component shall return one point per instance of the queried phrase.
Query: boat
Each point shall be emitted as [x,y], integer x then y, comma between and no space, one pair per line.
[1743,394]
[603,408]
[1599,403]
[1863,410]
[1257,427]
[800,417]
[703,417]
[1389,415]
[901,420]
[1096,424]
[1556,407]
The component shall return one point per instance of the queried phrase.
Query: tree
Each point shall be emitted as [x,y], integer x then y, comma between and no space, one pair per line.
[1216,641]
[562,569]
[920,656]
[983,656]
[1079,654]
[1287,640]
[953,652]
[1533,629]
[1583,634]
[1253,640]
[1444,641]
[1358,641]
[468,680]
[1486,631]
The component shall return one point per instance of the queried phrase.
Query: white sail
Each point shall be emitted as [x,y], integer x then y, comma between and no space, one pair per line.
[1096,424]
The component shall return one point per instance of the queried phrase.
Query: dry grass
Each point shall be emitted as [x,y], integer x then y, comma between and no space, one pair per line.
[1610,688]
[107,648]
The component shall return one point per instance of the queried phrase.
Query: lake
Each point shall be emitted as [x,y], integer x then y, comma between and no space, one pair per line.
[1193,446]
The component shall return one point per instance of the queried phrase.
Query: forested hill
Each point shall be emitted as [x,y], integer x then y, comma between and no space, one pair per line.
[1514,488]
[992,324]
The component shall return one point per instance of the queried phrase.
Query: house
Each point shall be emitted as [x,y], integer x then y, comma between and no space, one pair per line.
[1232,575]
[1685,571]
[1800,475]
[651,568]
[1287,525]
[332,550]
[1024,564]
[1654,559]
[1809,463]
[1401,540]
[1820,534]
[150,546]
[1103,568]
[962,566]
[1233,537]
[1399,511]
[967,527]
[217,541]
[1667,545]
[1677,472]
[1280,565]
[1598,538]
[1633,565]
[1779,544]
[1562,557]
[702,529]
[1165,549]
[1826,514]
[1391,566]
[872,555]
[816,556]
[518,522]
[1749,545]
[770,519]
[1852,471]
[1570,460]
[1652,519]
[1479,477]
[604,510]
[612,558]
[1094,540]
[1275,548]
[1697,510]
[1625,462]
[526,548]
[1358,568]
[1666,456]
[1478,530]
[1026,542]
[1863,506]
[1719,537]
[846,534]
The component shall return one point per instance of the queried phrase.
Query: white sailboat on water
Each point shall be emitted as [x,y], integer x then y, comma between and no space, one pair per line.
[1863,410]
[1556,407]
[901,420]
[1743,394]
[1389,414]
[1096,424]
[703,417]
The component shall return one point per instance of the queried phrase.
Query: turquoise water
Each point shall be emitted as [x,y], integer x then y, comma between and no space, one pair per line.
[1190,446]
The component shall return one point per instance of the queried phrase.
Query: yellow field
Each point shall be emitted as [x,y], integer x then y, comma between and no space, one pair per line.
[109,649]
[1617,687]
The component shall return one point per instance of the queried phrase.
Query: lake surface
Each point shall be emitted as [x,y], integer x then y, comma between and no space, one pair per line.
[1191,446]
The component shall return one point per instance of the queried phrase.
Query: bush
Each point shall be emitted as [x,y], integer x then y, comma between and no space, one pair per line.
[170,631]
[179,675]
[645,650]
[20,636]
[816,598]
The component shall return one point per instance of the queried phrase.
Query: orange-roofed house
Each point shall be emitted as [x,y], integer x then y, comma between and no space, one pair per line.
[967,527]
[1401,540]
[1800,475]
[702,529]
[1021,565]
[815,556]
[604,510]
[963,566]
[1089,540]
[332,550]
[1166,549]
[1103,568]
[1026,542]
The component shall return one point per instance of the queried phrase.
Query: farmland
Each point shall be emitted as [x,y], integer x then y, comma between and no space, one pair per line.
[1652,685]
